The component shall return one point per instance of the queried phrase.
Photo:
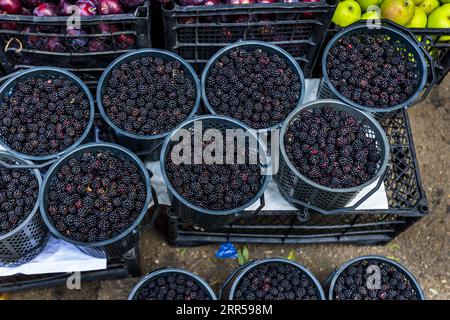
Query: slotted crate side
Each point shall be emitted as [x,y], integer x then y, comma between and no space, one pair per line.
[196,33]
[31,41]
[406,199]
[429,37]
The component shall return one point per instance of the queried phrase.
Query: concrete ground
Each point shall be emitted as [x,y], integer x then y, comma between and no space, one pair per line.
[423,248]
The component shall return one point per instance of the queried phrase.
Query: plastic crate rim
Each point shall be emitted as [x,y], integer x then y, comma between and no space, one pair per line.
[276,260]
[285,55]
[385,146]
[162,271]
[71,76]
[359,25]
[122,59]
[120,236]
[172,190]
[336,273]
[38,176]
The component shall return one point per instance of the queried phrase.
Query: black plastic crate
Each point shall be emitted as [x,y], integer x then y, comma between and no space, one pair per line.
[429,37]
[197,32]
[406,199]
[28,41]
[118,268]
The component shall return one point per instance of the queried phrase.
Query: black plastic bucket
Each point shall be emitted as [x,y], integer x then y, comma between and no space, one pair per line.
[171,271]
[228,292]
[330,282]
[122,242]
[270,48]
[87,134]
[405,41]
[29,238]
[304,192]
[146,147]
[191,213]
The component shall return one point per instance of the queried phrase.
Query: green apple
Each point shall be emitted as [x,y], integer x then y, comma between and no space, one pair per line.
[399,11]
[440,18]
[347,12]
[445,1]
[364,4]
[371,15]
[419,20]
[429,5]
[417,2]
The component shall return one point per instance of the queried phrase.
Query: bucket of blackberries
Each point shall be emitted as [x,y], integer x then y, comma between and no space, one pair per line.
[172,284]
[329,153]
[23,234]
[254,82]
[272,279]
[379,69]
[96,197]
[45,112]
[373,278]
[144,94]
[212,192]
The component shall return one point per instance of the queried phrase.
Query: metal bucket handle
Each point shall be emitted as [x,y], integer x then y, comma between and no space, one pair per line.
[27,166]
[4,78]
[304,215]
[427,55]
[262,204]
[232,275]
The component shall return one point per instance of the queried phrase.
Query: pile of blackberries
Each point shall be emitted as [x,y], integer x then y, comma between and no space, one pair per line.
[276,281]
[253,86]
[371,71]
[19,190]
[215,186]
[43,115]
[95,196]
[330,147]
[356,282]
[149,95]
[172,286]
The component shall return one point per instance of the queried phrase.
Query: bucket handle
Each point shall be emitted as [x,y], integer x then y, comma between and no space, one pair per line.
[231,276]
[428,56]
[27,166]
[156,214]
[262,204]
[13,74]
[304,216]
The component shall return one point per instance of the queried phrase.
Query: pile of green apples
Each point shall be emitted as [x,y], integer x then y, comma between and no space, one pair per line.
[408,13]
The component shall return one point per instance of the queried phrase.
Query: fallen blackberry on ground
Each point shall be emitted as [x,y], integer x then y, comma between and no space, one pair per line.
[149,95]
[354,283]
[330,148]
[19,190]
[215,186]
[253,86]
[276,281]
[172,286]
[95,196]
[43,115]
[371,71]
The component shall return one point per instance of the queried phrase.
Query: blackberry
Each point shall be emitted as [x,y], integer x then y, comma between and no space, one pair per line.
[33,125]
[352,283]
[87,210]
[165,288]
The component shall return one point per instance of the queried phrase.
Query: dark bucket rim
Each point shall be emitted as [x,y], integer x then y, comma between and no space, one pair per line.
[144,52]
[399,33]
[172,190]
[276,260]
[35,210]
[87,93]
[254,43]
[159,272]
[335,274]
[384,163]
[123,234]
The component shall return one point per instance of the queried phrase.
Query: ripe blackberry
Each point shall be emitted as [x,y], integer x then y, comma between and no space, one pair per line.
[92,216]
[378,68]
[353,283]
[18,196]
[165,288]
[275,280]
